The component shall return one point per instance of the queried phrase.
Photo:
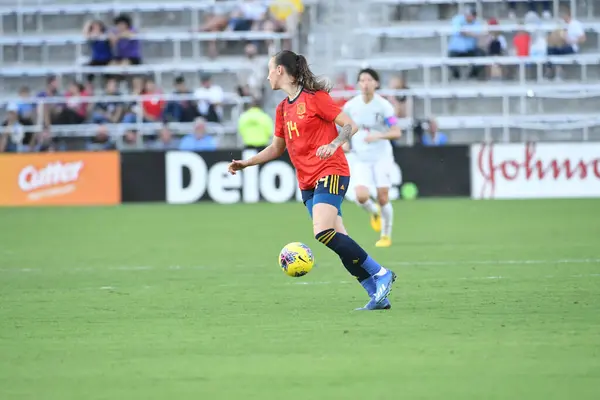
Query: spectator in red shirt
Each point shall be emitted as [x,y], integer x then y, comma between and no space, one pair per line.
[152,104]
[522,42]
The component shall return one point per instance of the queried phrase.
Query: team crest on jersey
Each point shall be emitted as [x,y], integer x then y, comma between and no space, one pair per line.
[301,110]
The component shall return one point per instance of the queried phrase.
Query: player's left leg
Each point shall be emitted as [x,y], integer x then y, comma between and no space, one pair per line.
[368,284]
[387,217]
[327,202]
[383,183]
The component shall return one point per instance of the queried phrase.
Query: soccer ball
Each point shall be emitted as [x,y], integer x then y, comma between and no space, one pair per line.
[296,259]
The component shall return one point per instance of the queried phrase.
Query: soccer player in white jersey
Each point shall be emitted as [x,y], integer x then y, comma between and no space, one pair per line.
[373,152]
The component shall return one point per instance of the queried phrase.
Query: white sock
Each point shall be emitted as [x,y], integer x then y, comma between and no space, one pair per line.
[387,219]
[369,206]
[381,272]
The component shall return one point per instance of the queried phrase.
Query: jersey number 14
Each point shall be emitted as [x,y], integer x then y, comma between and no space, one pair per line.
[291,127]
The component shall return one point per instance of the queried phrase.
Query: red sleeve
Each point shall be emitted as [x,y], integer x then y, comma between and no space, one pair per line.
[325,107]
[279,123]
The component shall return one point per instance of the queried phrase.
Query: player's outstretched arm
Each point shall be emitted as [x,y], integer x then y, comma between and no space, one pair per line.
[349,128]
[394,133]
[271,152]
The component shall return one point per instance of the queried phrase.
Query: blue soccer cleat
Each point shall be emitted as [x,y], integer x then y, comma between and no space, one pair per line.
[372,305]
[384,286]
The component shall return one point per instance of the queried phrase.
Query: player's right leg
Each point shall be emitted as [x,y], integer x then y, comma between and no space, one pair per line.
[327,201]
[363,178]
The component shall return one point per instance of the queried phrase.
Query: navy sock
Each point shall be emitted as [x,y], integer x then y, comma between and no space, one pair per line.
[352,255]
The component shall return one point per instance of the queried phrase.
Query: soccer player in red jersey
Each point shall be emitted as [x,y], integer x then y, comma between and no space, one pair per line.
[305,124]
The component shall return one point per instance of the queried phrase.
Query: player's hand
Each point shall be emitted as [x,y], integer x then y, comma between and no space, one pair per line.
[236,165]
[373,137]
[326,151]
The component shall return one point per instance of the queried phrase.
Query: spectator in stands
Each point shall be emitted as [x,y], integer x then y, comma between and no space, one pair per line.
[165,140]
[340,86]
[43,142]
[464,41]
[181,110]
[251,80]
[138,84]
[210,99]
[13,132]
[72,111]
[153,102]
[522,41]
[270,24]
[76,102]
[255,127]
[512,8]
[245,17]
[128,49]
[198,140]
[565,41]
[95,33]
[432,136]
[399,101]
[109,111]
[52,90]
[496,46]
[130,140]
[101,141]
[25,105]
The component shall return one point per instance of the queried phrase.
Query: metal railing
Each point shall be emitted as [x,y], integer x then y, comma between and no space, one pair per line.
[503,118]
[427,64]
[131,102]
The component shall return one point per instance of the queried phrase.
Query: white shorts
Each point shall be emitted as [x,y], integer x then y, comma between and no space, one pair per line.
[376,174]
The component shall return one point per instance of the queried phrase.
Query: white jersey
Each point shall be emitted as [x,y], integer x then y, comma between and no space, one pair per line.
[374,116]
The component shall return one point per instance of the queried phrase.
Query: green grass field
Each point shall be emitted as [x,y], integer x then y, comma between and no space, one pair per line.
[495,300]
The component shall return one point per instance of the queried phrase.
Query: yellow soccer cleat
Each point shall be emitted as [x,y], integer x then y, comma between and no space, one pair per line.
[385,241]
[376,221]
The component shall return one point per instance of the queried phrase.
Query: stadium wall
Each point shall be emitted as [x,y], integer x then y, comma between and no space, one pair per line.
[482,171]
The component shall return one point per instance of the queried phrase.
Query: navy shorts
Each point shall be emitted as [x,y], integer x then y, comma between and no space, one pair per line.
[329,190]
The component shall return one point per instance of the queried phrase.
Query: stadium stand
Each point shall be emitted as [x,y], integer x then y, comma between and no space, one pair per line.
[408,38]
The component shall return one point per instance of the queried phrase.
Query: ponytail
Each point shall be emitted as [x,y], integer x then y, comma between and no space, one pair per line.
[307,79]
[297,67]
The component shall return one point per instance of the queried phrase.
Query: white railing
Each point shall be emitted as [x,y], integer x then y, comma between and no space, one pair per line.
[583,61]
[477,3]
[443,32]
[157,70]
[50,7]
[175,38]
[231,100]
[503,118]
[104,6]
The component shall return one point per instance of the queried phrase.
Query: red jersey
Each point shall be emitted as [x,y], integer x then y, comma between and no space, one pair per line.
[307,123]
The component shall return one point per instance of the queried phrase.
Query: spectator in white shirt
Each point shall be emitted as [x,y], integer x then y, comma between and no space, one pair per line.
[210,99]
[565,41]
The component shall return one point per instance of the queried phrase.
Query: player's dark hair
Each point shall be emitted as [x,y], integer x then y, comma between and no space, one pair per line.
[297,67]
[369,71]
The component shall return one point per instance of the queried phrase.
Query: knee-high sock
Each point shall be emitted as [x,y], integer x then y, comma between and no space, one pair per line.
[355,258]
[369,206]
[387,219]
